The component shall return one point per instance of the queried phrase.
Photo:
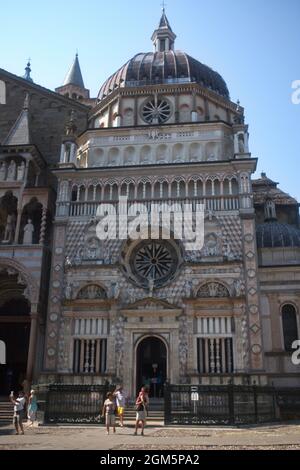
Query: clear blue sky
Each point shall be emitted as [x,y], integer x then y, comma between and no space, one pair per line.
[253,44]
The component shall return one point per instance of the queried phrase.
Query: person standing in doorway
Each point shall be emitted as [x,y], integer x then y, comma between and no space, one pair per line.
[108,410]
[141,405]
[120,402]
[19,407]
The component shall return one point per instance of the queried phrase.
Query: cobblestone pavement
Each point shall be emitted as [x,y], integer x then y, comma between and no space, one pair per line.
[279,437]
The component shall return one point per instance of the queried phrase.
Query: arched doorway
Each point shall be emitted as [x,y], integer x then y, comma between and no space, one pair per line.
[151,365]
[14,332]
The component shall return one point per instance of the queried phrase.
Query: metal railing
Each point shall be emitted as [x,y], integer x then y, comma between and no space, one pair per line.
[75,404]
[228,405]
[183,404]
[213,203]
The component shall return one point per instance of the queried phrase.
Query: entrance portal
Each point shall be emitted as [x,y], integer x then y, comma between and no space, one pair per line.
[14,332]
[151,366]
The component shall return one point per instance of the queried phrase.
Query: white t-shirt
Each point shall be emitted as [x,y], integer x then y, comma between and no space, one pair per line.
[20,404]
[109,407]
[120,399]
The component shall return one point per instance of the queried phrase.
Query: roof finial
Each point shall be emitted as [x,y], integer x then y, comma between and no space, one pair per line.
[27,72]
[163,37]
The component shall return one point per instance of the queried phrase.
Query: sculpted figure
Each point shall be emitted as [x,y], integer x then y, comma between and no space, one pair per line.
[21,172]
[10,228]
[2,171]
[11,171]
[28,233]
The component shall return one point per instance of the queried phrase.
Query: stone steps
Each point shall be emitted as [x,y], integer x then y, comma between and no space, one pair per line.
[6,411]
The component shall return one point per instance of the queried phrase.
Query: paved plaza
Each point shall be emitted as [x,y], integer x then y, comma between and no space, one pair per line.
[277,437]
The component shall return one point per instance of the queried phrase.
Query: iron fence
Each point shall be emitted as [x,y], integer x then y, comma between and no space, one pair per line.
[75,404]
[226,405]
[183,404]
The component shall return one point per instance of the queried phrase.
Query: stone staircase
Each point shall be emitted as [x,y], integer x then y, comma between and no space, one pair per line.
[6,411]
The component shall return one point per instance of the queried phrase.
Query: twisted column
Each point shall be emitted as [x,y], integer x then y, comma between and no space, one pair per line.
[43,226]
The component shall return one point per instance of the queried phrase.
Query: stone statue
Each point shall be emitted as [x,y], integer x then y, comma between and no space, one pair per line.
[2,171]
[10,228]
[78,257]
[11,171]
[241,144]
[68,291]
[115,290]
[21,172]
[239,288]
[68,263]
[153,134]
[188,287]
[93,249]
[210,215]
[28,233]
[211,247]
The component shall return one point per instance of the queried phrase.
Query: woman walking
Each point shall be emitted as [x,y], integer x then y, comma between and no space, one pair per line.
[108,410]
[32,408]
[141,404]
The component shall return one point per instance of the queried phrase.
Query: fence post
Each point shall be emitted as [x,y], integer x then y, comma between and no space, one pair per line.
[167,403]
[255,403]
[231,403]
[47,404]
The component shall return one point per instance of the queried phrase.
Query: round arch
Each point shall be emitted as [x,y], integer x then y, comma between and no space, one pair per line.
[151,350]
[14,267]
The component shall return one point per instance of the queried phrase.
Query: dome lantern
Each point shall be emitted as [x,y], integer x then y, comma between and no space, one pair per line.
[163,37]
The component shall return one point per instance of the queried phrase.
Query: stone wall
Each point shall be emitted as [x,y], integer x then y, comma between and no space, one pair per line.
[48,113]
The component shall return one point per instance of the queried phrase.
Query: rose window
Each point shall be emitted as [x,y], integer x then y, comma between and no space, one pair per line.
[152,262]
[156,111]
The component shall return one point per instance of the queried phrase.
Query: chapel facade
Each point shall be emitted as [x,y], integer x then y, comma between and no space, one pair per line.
[162,130]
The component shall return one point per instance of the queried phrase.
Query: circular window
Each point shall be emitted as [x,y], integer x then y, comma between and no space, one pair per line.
[153,261]
[156,111]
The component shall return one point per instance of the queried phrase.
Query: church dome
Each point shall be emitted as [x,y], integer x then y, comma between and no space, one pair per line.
[273,234]
[168,67]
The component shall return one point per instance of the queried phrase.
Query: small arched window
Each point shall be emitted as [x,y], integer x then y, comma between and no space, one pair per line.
[289,326]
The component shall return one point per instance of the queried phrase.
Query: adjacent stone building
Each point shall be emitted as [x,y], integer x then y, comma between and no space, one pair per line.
[78,309]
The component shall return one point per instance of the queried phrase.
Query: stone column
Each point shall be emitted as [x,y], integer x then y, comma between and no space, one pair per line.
[252,291]
[32,344]
[111,340]
[206,106]
[135,117]
[246,142]
[56,294]
[62,153]
[73,153]
[43,226]
[236,144]
[17,230]
[176,107]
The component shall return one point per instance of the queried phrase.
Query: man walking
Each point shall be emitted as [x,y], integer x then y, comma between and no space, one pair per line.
[121,402]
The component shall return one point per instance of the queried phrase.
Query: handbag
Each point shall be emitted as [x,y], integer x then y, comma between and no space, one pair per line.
[139,407]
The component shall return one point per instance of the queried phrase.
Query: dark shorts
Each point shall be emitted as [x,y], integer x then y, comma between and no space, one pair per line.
[18,417]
